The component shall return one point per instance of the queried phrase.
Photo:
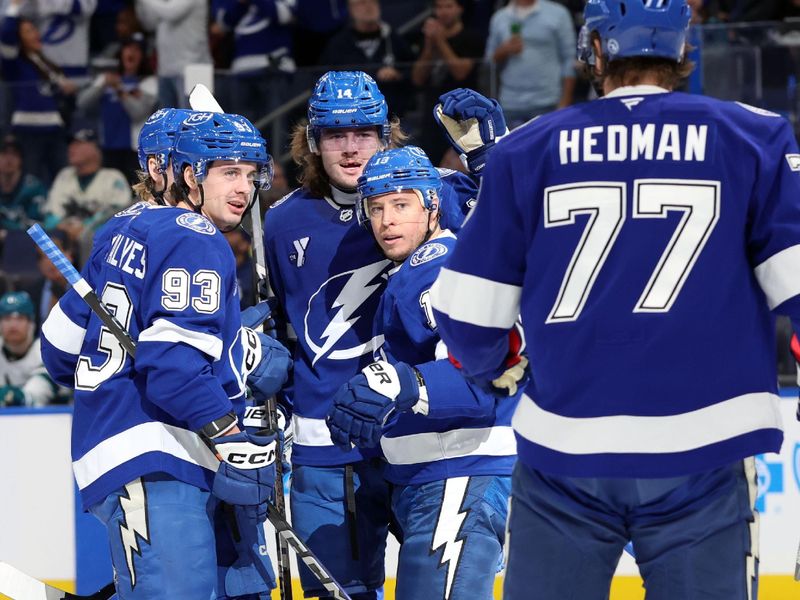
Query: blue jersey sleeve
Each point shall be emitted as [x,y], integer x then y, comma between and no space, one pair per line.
[774,236]
[458,197]
[186,316]
[476,297]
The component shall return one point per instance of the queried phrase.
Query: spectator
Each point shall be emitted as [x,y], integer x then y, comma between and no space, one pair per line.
[126,96]
[23,378]
[47,290]
[370,45]
[181,28]
[315,23]
[126,26]
[22,195]
[533,44]
[84,194]
[447,61]
[65,34]
[262,62]
[39,89]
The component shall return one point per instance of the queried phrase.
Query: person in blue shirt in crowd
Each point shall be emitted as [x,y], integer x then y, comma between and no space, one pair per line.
[647,240]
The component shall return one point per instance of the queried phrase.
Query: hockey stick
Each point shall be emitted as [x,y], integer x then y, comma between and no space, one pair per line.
[279,522]
[18,586]
[201,98]
[797,566]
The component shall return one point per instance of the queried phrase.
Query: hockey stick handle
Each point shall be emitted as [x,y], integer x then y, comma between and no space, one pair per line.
[81,286]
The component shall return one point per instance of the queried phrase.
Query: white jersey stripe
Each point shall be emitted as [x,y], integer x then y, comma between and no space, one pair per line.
[777,276]
[627,434]
[428,447]
[311,432]
[136,441]
[63,332]
[476,300]
[166,331]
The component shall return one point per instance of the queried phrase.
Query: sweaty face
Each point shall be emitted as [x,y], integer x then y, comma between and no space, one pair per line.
[399,223]
[344,153]
[228,188]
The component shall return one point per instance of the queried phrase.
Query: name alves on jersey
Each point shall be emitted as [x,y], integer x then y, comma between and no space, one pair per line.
[334,323]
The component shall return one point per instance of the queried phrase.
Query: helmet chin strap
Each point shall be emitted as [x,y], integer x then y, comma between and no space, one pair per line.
[159,195]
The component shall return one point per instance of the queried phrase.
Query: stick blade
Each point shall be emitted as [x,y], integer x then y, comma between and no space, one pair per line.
[201,98]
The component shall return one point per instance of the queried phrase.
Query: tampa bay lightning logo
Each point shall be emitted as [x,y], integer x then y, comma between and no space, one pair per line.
[427,253]
[796,464]
[339,315]
[196,223]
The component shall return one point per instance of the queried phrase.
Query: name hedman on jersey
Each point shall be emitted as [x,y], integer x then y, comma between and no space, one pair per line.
[635,141]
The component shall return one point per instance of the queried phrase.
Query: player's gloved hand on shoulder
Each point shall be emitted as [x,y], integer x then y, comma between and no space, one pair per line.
[11,395]
[512,375]
[246,473]
[364,404]
[472,123]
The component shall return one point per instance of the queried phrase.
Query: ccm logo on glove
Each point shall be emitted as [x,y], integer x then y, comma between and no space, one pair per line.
[244,455]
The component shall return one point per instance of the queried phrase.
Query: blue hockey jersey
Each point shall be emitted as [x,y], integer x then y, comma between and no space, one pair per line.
[169,275]
[466,431]
[645,239]
[328,275]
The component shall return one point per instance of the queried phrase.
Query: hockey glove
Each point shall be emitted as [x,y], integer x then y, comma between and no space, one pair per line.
[251,573]
[246,473]
[364,404]
[11,395]
[513,373]
[266,364]
[260,314]
[256,420]
[472,123]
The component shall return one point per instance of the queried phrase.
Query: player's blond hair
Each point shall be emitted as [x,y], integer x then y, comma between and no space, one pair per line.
[312,175]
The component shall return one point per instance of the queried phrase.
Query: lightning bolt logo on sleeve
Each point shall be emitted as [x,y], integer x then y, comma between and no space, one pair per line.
[448,525]
[359,286]
[134,524]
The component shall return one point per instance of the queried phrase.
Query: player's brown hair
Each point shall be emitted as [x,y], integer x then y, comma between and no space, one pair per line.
[312,175]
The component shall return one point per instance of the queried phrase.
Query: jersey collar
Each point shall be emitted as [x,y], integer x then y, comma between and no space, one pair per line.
[343,198]
[636,90]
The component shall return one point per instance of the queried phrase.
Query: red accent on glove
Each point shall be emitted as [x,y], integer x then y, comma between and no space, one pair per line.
[514,347]
[795,347]
[455,362]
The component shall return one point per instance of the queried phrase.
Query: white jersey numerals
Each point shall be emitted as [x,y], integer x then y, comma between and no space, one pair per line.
[605,203]
[89,376]
[177,287]
[427,308]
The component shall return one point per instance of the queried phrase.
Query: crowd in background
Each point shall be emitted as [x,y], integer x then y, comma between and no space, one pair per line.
[79,77]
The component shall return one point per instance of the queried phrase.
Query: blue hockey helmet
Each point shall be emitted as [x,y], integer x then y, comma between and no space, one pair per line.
[346,99]
[204,137]
[157,136]
[397,170]
[16,303]
[635,28]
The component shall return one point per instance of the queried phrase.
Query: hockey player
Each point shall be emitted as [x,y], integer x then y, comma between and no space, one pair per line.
[141,427]
[646,238]
[449,443]
[328,275]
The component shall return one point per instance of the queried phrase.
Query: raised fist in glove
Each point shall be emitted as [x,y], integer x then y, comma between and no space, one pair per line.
[472,122]
[246,473]
[363,404]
